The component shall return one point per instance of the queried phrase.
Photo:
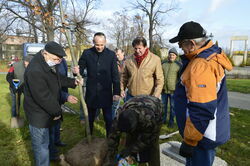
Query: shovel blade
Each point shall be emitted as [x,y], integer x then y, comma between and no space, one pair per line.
[16,122]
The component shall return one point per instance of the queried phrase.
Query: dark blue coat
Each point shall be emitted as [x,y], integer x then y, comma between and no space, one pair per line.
[63,70]
[102,77]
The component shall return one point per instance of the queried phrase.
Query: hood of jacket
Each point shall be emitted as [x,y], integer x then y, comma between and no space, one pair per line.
[212,52]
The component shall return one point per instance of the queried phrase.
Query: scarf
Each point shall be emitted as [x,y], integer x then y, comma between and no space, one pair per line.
[139,59]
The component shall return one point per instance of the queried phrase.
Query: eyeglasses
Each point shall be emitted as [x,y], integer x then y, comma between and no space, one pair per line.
[53,57]
[183,43]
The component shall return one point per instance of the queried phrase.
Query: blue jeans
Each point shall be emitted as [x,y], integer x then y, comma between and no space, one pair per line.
[14,102]
[40,145]
[107,115]
[201,156]
[165,97]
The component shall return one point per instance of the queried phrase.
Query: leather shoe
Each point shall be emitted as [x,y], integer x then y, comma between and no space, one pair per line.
[61,144]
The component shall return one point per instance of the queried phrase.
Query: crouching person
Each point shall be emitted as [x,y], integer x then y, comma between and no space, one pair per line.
[140,119]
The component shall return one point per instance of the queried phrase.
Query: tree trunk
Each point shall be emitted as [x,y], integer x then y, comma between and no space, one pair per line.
[50,34]
[35,33]
[150,34]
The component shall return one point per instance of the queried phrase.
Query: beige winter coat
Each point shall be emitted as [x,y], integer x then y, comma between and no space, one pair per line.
[144,80]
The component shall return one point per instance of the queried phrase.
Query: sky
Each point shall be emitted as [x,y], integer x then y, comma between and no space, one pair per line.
[222,18]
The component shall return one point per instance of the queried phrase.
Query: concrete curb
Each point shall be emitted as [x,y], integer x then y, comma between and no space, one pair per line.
[170,155]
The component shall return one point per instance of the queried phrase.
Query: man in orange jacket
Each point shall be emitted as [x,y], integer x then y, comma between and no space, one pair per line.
[201,102]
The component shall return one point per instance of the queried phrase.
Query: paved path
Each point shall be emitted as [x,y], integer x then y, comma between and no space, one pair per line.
[239,100]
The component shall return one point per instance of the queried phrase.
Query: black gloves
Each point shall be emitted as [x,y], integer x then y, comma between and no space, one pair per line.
[186,150]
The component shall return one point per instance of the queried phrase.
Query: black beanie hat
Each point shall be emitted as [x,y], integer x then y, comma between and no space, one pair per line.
[127,121]
[55,48]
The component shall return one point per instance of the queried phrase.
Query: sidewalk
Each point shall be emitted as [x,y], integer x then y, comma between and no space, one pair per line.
[239,100]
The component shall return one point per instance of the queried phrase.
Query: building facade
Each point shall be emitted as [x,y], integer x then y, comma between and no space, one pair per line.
[12,46]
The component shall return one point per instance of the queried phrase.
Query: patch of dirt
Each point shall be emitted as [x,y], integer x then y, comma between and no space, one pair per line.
[84,154]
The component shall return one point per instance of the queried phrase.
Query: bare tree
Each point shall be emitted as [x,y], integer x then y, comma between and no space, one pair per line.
[154,10]
[6,22]
[139,24]
[40,14]
[32,28]
[124,28]
[119,28]
[78,17]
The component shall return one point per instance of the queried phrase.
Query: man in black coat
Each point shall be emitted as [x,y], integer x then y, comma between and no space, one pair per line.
[41,98]
[102,78]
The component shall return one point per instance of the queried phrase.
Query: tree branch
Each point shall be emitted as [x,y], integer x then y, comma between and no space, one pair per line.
[21,17]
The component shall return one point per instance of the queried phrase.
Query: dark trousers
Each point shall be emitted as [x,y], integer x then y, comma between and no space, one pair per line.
[165,98]
[82,114]
[16,100]
[57,133]
[107,115]
[53,151]
[201,156]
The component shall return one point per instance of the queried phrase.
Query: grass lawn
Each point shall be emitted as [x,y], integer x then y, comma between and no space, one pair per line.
[16,146]
[4,66]
[239,85]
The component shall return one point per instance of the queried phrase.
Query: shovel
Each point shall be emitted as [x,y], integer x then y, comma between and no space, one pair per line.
[168,135]
[16,122]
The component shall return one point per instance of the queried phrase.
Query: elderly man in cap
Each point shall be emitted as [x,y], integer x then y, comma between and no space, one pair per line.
[43,84]
[201,101]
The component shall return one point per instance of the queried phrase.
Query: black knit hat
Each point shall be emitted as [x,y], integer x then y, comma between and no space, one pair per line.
[127,121]
[55,48]
[189,30]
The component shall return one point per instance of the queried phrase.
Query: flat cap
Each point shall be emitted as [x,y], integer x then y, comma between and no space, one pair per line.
[55,48]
